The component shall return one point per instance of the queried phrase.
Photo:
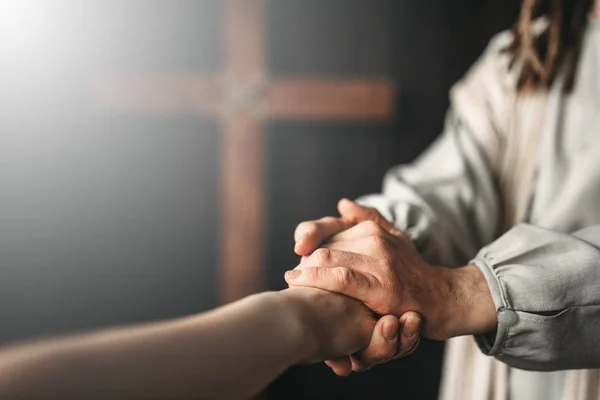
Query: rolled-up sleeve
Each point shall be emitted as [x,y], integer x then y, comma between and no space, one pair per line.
[546,288]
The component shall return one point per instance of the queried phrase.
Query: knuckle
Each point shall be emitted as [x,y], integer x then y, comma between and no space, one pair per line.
[313,274]
[322,255]
[369,227]
[344,276]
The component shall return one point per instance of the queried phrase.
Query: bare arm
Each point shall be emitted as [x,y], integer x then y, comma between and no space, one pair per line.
[231,352]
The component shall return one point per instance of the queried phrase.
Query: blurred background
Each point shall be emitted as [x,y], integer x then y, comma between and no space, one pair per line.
[156,156]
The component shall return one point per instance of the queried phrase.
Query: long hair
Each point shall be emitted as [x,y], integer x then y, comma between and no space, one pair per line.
[541,55]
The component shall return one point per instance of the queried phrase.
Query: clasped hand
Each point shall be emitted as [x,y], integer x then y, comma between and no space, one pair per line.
[363,256]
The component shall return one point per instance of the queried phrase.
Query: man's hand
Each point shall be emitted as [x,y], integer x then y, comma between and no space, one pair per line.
[392,337]
[310,235]
[387,274]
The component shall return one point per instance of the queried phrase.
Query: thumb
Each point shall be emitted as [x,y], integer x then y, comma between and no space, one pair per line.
[382,347]
[356,213]
[410,323]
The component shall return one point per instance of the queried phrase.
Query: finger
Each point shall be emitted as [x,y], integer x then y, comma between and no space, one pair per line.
[310,234]
[368,229]
[356,213]
[312,227]
[352,246]
[341,366]
[360,230]
[336,279]
[370,245]
[383,345]
[410,326]
[329,258]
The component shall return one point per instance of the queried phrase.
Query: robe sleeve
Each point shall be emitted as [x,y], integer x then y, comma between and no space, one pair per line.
[447,200]
[546,287]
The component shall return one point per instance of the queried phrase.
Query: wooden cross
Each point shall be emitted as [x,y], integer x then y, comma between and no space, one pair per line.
[243,98]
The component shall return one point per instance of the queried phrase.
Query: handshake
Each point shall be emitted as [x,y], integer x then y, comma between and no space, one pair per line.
[361,295]
[364,257]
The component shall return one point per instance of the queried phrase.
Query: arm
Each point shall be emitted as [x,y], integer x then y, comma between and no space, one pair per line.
[389,275]
[531,296]
[231,352]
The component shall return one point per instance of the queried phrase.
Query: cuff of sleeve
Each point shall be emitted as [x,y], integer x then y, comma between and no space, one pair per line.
[544,287]
[491,343]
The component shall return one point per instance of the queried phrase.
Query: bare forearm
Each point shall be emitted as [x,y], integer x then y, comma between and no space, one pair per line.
[466,307]
[180,359]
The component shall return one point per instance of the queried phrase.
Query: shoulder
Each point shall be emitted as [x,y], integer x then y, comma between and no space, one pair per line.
[486,98]
[496,68]
[482,99]
[491,77]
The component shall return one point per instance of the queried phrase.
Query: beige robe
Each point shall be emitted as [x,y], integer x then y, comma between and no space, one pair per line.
[475,183]
[468,374]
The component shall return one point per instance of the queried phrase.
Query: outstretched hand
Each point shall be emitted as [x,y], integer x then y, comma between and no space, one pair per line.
[392,337]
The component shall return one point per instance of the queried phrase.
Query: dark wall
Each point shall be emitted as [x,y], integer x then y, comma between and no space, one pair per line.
[109,218]
[105,218]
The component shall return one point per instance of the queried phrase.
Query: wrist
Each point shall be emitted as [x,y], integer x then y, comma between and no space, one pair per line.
[300,320]
[467,307]
[285,316]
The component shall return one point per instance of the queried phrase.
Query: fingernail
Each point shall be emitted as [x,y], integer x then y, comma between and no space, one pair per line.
[389,330]
[411,326]
[293,274]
